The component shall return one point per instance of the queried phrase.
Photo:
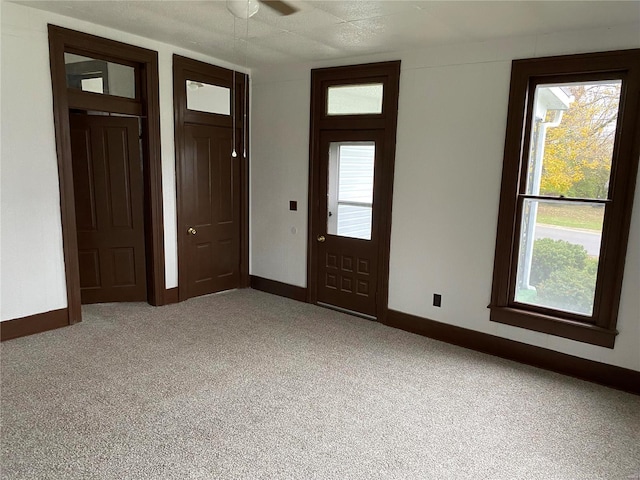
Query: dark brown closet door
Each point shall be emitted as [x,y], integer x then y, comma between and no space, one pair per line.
[211,196]
[108,193]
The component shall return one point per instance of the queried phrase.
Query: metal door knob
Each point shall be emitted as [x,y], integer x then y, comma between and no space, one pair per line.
[321,238]
[191,231]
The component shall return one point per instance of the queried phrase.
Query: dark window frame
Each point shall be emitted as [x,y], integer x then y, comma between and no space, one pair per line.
[600,328]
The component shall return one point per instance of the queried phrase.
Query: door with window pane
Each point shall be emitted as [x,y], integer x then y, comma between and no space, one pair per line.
[348,239]
[354,113]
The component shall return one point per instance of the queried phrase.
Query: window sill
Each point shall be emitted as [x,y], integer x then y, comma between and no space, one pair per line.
[580,332]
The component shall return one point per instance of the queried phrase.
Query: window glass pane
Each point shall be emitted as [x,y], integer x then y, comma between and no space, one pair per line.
[99,76]
[559,254]
[350,192]
[355,99]
[354,221]
[355,166]
[204,97]
[572,138]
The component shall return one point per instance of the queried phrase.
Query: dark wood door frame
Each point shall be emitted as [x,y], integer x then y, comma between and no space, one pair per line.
[189,69]
[145,105]
[387,73]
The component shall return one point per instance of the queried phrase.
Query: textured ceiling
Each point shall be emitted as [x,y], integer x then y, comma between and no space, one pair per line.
[324,30]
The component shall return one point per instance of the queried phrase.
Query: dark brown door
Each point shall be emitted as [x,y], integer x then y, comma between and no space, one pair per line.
[212,183]
[347,232]
[211,202]
[352,138]
[109,191]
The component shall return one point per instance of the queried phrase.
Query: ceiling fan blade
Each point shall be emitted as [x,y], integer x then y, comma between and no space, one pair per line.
[283,8]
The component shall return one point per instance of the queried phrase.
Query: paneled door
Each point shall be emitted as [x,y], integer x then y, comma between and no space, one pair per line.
[348,218]
[211,202]
[108,192]
[211,167]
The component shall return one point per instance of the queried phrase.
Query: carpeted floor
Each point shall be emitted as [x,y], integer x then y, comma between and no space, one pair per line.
[249,385]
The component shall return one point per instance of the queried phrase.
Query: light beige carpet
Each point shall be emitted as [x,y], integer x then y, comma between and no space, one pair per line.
[250,385]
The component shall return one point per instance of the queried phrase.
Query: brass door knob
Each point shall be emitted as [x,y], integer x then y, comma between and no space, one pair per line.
[321,238]
[191,231]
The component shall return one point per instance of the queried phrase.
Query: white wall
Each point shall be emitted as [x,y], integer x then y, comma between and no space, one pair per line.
[279,173]
[31,259]
[452,118]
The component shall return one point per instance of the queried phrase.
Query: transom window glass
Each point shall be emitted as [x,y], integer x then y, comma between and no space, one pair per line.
[350,197]
[207,98]
[99,76]
[355,99]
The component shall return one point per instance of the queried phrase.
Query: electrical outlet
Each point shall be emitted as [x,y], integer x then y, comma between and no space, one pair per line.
[437,300]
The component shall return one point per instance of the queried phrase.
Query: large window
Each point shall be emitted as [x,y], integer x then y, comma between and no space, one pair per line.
[571,158]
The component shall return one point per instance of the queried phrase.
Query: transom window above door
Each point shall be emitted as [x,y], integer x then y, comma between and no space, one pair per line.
[100,76]
[207,98]
[363,99]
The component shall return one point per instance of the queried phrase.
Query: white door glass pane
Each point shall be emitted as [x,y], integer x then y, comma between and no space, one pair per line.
[350,189]
[572,136]
[356,173]
[99,76]
[203,97]
[354,221]
[355,99]
[559,255]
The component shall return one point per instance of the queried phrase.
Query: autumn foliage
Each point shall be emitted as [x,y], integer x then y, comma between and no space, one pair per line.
[577,154]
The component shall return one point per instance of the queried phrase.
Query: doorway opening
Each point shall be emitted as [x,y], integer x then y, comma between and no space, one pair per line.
[118,83]
[353,135]
[212,165]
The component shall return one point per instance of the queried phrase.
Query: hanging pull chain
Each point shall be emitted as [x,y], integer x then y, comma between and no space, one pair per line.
[234,154]
[245,125]
[245,133]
